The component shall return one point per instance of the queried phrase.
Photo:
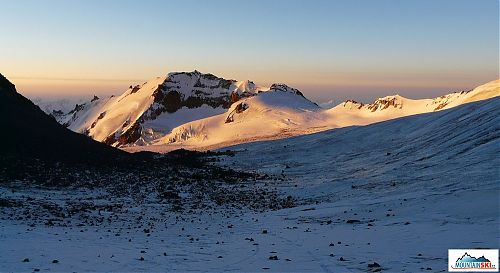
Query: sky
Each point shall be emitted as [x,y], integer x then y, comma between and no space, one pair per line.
[329,49]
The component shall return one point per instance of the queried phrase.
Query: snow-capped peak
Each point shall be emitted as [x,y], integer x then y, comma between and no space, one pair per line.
[150,110]
[246,87]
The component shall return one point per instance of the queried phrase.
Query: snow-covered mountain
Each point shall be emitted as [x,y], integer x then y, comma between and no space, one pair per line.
[57,107]
[354,113]
[283,112]
[148,111]
[273,113]
[203,111]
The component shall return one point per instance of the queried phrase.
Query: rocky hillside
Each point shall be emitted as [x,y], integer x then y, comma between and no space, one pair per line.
[28,133]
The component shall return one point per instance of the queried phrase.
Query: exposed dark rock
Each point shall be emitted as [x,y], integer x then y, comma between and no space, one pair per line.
[234,97]
[135,89]
[237,110]
[172,101]
[131,135]
[384,104]
[373,265]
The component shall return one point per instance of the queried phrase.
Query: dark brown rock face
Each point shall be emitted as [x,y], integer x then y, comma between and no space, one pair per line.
[172,101]
[384,104]
[237,110]
[131,135]
[234,97]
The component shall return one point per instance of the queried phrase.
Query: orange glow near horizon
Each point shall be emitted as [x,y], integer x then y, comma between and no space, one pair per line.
[318,87]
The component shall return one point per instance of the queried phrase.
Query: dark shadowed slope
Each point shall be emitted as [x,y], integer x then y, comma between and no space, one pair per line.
[27,132]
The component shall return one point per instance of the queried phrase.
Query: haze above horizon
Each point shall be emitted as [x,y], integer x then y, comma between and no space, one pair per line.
[328,49]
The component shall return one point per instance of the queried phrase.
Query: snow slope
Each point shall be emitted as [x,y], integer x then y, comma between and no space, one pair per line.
[283,112]
[271,113]
[399,193]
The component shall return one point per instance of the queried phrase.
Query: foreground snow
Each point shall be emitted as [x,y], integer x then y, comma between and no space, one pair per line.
[399,193]
[299,237]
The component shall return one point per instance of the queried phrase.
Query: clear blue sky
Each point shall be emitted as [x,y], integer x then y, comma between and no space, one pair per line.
[330,49]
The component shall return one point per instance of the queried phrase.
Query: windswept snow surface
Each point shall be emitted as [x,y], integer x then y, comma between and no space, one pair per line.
[399,193]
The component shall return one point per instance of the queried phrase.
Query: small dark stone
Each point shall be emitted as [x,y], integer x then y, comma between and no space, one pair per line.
[55,261]
[331,244]
[373,265]
[141,259]
[341,259]
[219,257]
[264,231]
[274,258]
[26,260]
[352,221]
